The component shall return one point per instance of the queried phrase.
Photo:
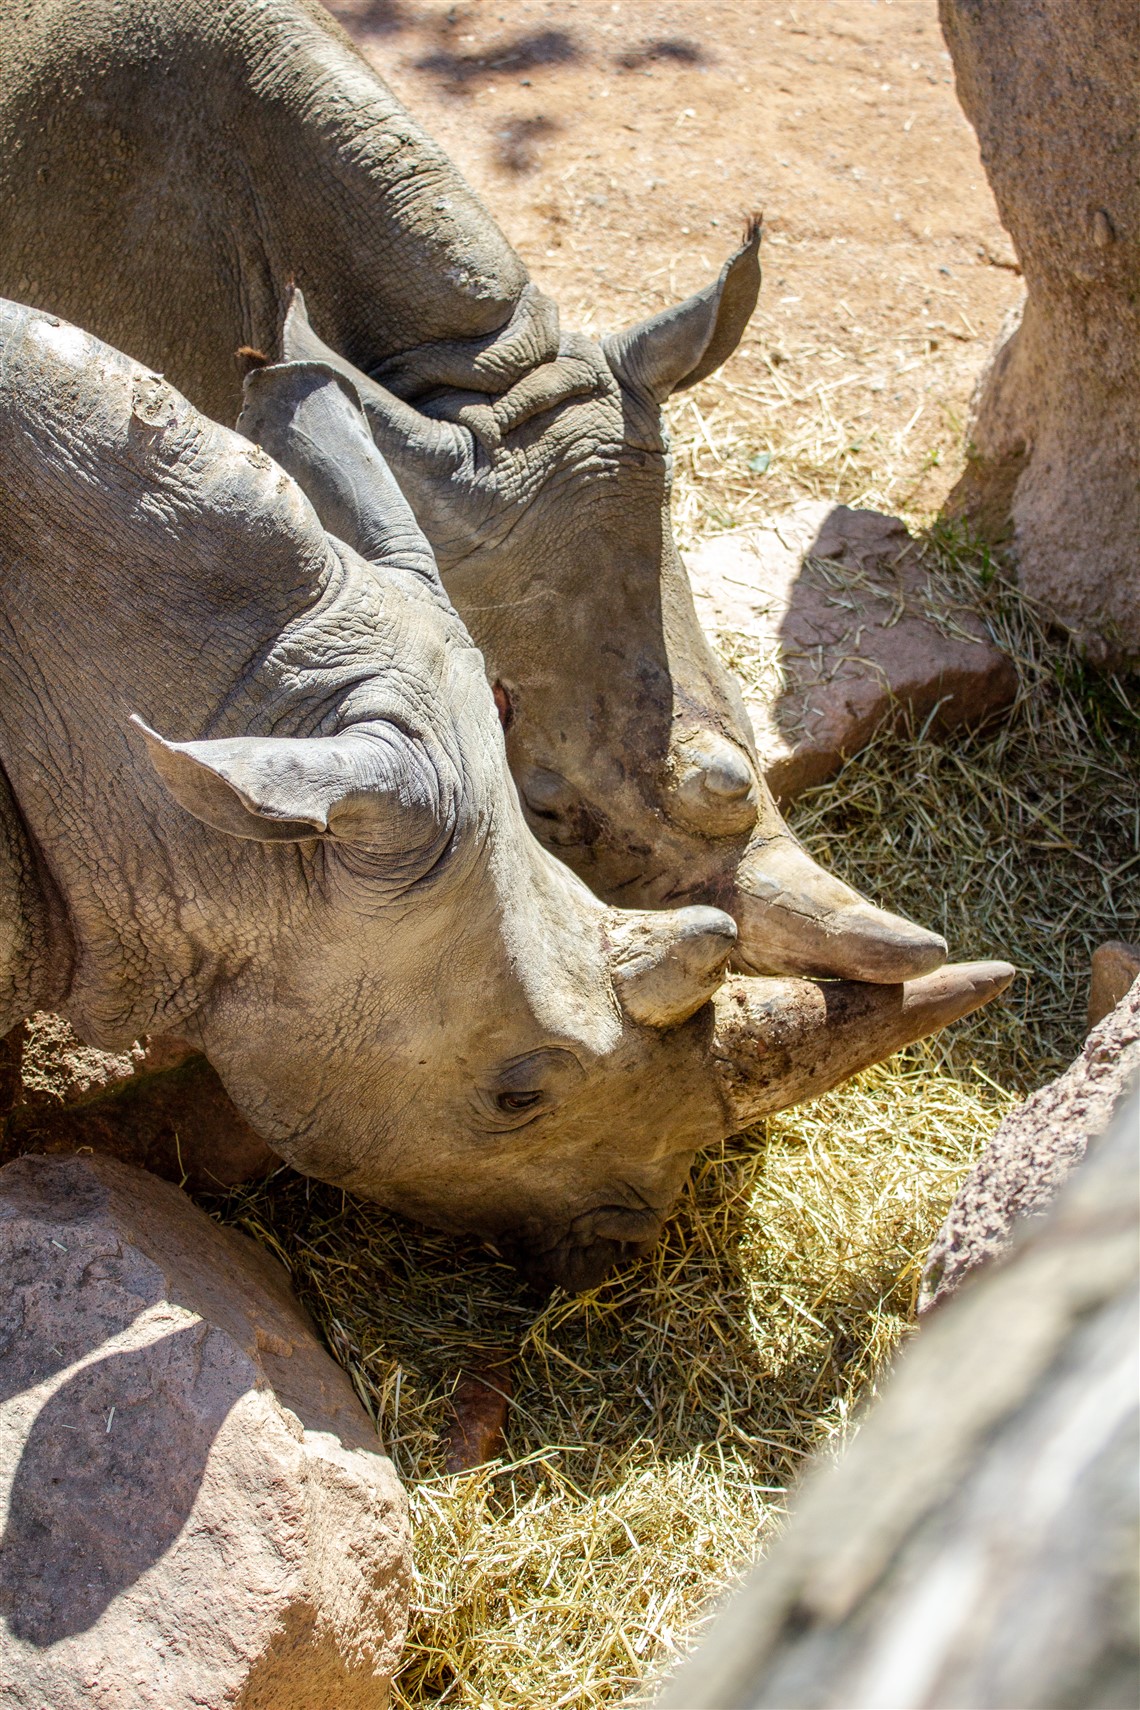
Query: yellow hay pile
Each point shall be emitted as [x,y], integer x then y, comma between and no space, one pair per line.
[659,1421]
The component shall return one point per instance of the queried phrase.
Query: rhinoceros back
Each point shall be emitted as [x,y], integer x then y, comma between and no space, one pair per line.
[167,166]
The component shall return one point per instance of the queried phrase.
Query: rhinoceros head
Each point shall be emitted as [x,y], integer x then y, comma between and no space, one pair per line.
[547,505]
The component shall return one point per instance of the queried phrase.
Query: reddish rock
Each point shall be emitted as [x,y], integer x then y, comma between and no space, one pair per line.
[834,625]
[1033,1153]
[1115,967]
[159,1105]
[1052,468]
[479,1405]
[197,1510]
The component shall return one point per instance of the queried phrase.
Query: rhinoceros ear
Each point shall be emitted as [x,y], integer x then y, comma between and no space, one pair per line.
[665,966]
[431,460]
[680,346]
[308,416]
[367,786]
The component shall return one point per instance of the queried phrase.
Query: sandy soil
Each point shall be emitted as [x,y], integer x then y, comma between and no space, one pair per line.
[621,145]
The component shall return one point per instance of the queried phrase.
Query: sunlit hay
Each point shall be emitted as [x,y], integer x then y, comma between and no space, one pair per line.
[759,436]
[659,1421]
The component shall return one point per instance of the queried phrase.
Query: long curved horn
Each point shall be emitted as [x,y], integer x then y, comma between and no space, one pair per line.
[778,1042]
[796,918]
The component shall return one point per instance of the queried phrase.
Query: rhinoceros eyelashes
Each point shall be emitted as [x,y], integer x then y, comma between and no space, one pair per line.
[683,344]
[369,787]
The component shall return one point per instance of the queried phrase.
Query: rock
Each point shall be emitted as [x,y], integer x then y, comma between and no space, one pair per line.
[159,1105]
[197,1509]
[1114,968]
[479,1406]
[977,1543]
[1033,1152]
[834,624]
[1053,464]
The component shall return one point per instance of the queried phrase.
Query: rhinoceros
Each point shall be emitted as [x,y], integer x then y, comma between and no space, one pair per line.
[167,166]
[255,793]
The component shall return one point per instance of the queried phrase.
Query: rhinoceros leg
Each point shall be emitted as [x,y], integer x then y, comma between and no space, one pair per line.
[34,952]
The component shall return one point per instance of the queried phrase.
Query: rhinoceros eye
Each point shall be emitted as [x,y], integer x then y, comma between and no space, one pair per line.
[510,1102]
[524,1089]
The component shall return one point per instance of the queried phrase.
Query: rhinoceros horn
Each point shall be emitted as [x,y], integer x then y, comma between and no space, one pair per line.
[778,1042]
[665,966]
[796,918]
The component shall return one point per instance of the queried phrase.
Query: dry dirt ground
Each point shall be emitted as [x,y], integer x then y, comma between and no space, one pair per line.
[620,146]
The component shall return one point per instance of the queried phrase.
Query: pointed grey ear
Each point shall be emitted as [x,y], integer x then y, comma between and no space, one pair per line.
[367,786]
[678,347]
[431,460]
[308,416]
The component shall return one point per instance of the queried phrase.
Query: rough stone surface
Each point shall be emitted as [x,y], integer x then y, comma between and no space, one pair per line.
[1054,461]
[196,1510]
[159,1105]
[1033,1152]
[833,622]
[977,1545]
[1115,967]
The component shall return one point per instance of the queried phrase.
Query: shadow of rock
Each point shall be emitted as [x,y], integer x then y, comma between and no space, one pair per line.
[98,1497]
[837,626]
[677,49]
[515,143]
[375,17]
[159,1105]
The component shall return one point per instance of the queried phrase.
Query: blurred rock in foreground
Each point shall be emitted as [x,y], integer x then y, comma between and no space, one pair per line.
[1033,1152]
[976,1548]
[197,1510]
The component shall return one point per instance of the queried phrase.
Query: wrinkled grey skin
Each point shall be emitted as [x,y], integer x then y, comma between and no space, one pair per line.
[166,166]
[310,860]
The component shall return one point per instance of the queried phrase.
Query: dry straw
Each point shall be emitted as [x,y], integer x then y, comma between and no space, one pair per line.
[659,1421]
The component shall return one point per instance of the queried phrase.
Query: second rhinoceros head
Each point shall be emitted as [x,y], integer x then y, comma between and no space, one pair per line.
[547,506]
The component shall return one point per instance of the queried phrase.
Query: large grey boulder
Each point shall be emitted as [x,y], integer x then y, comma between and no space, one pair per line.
[197,1510]
[976,1547]
[1033,1152]
[1050,87]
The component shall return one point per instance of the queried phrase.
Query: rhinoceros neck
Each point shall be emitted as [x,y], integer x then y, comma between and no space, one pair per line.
[168,166]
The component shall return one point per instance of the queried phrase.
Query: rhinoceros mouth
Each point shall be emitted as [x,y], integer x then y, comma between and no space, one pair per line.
[584,1253]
